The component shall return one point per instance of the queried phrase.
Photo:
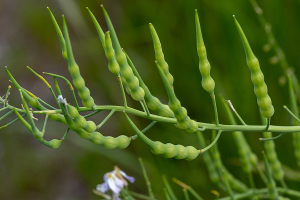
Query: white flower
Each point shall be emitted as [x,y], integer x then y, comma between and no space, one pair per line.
[60,99]
[115,182]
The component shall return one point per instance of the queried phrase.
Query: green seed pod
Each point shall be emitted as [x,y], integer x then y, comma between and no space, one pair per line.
[78,81]
[80,121]
[276,166]
[55,143]
[98,28]
[159,55]
[273,194]
[90,126]
[257,77]
[73,112]
[152,102]
[113,65]
[88,132]
[33,129]
[208,83]
[33,101]
[294,109]
[137,93]
[60,36]
[180,113]
[166,150]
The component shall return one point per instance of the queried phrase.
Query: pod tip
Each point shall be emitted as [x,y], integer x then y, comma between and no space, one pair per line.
[101,5]
[233,15]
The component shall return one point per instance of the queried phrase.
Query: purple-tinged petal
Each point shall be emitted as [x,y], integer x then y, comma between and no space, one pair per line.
[102,187]
[112,185]
[119,182]
[105,177]
[130,178]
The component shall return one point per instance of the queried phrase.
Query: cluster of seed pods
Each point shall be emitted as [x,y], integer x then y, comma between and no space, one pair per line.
[120,64]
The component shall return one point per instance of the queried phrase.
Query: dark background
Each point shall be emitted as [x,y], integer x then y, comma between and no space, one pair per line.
[29,170]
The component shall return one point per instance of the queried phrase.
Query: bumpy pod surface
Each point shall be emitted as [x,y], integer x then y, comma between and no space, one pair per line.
[113,65]
[180,112]
[78,81]
[276,166]
[270,181]
[166,150]
[260,88]
[159,55]
[152,102]
[34,102]
[208,83]
[88,132]
[137,93]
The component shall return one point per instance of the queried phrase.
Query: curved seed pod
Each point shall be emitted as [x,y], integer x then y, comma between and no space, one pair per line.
[33,101]
[166,150]
[55,143]
[137,93]
[212,171]
[113,65]
[88,132]
[180,112]
[78,81]
[208,83]
[294,109]
[60,36]
[260,88]
[159,55]
[273,194]
[152,102]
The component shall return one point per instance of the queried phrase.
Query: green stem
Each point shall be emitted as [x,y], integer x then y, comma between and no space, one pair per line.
[235,112]
[6,95]
[65,135]
[215,109]
[45,122]
[211,144]
[150,191]
[68,83]
[144,130]
[146,107]
[167,194]
[92,114]
[6,125]
[268,124]
[40,100]
[3,108]
[168,187]
[8,113]
[106,118]
[273,138]
[208,126]
[291,113]
[186,195]
[228,185]
[123,92]
[140,195]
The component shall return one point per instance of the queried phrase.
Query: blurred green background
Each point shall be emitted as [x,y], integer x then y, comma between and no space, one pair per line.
[29,170]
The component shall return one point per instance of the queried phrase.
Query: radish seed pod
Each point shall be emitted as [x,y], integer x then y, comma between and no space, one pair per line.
[260,88]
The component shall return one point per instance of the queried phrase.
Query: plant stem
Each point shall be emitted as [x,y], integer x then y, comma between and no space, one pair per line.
[215,109]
